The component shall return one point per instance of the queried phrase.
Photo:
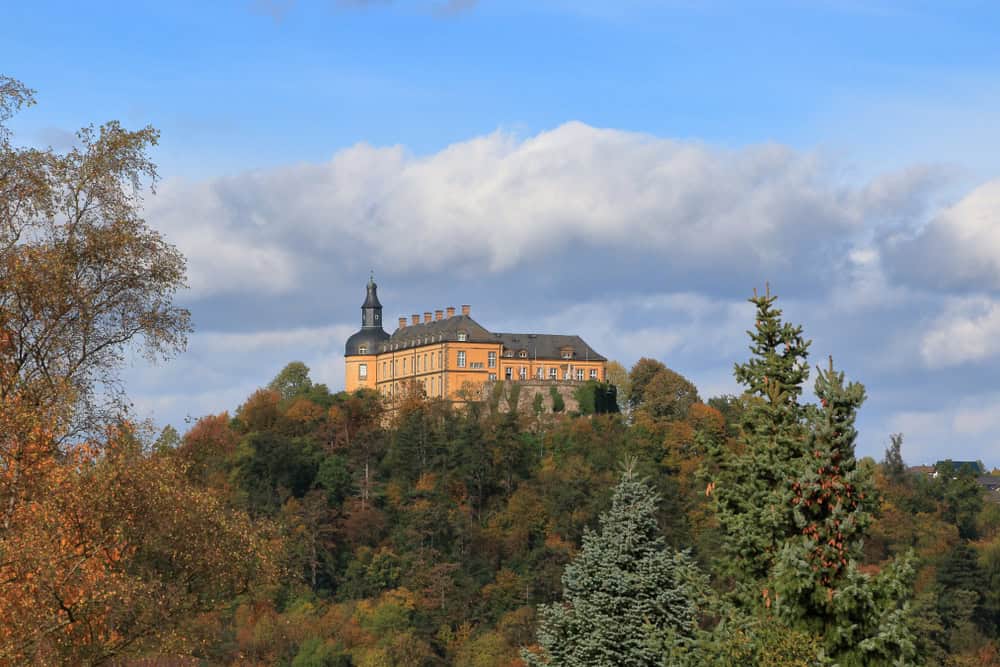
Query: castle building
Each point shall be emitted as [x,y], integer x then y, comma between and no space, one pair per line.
[450,355]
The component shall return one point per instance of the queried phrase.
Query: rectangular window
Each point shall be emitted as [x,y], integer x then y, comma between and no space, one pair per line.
[461,358]
[492,359]
[579,374]
[553,373]
[567,354]
[540,373]
[404,365]
[523,373]
[475,364]
[362,371]
[509,373]
[593,373]
[440,363]
[425,362]
[493,377]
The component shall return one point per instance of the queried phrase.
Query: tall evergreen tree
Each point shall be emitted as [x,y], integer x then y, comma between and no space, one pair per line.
[793,505]
[751,487]
[627,598]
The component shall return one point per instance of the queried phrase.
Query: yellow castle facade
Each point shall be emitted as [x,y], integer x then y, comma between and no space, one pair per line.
[449,355]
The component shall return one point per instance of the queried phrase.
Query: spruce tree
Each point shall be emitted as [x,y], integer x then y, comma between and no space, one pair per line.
[793,506]
[627,598]
[751,487]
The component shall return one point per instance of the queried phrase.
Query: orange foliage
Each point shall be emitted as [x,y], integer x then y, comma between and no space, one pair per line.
[106,550]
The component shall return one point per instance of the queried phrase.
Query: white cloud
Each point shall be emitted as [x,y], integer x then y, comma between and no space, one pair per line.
[967,331]
[966,430]
[960,248]
[496,202]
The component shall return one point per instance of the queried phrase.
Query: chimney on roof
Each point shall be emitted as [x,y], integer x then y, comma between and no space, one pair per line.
[438,314]
[465,309]
[416,318]
[402,323]
[427,317]
[451,311]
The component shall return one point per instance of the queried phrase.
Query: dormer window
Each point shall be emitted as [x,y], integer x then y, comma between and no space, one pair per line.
[509,354]
[462,336]
[362,349]
[567,353]
[523,354]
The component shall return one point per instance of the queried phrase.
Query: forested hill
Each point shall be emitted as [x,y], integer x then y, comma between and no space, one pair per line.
[312,528]
[432,535]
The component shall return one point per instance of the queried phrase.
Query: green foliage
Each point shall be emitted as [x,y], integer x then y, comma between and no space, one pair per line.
[558,404]
[596,398]
[537,404]
[893,465]
[315,652]
[168,440]
[334,477]
[292,381]
[270,467]
[627,598]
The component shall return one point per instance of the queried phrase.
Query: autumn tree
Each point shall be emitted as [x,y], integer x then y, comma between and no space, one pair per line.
[104,550]
[83,276]
[114,553]
[639,376]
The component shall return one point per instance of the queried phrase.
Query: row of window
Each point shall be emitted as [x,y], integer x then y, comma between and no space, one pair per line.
[421,363]
[522,373]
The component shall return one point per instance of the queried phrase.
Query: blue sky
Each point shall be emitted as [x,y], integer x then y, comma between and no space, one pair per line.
[623,170]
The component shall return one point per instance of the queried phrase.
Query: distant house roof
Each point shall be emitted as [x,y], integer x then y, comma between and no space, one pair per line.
[989,482]
[548,346]
[974,467]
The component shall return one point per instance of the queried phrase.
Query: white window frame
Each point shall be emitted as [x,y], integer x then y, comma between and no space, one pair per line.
[593,373]
[462,336]
[461,358]
[362,371]
[491,358]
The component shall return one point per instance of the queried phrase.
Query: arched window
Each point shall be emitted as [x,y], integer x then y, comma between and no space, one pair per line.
[462,336]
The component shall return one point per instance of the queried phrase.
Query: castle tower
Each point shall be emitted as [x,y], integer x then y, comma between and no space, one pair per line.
[363,346]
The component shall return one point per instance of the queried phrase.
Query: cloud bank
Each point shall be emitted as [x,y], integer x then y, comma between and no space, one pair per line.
[646,246]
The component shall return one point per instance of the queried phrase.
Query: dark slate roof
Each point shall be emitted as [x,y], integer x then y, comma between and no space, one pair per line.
[370,336]
[547,346]
[446,329]
[371,298]
[989,482]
